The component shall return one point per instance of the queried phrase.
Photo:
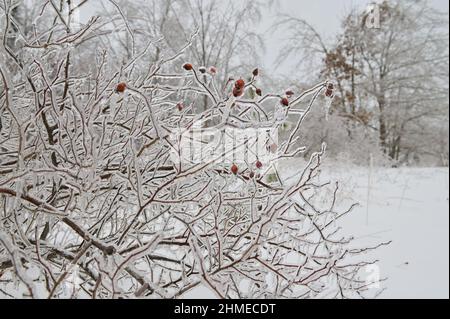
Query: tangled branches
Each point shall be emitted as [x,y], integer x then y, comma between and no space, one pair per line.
[99,200]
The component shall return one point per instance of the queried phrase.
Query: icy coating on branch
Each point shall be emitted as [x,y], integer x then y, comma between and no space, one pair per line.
[98,199]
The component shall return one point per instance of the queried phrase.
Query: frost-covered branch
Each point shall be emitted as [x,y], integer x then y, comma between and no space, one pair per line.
[117,182]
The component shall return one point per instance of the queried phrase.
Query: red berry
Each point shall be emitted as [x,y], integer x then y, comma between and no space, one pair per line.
[284,101]
[259,165]
[255,72]
[290,93]
[180,106]
[121,87]
[237,92]
[234,169]
[188,67]
[212,70]
[259,92]
[330,90]
[240,84]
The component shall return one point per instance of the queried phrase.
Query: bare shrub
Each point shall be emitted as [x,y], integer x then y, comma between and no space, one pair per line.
[98,201]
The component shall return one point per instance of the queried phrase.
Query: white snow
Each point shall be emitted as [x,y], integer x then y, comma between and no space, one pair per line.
[409,206]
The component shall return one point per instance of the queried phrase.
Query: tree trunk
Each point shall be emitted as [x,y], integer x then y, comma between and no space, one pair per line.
[382,123]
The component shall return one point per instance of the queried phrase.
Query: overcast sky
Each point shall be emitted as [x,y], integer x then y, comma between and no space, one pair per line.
[324,15]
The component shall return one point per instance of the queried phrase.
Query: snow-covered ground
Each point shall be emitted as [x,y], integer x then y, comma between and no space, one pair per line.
[409,206]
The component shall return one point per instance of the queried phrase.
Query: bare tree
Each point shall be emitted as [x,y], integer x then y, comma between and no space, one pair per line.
[393,79]
[226,30]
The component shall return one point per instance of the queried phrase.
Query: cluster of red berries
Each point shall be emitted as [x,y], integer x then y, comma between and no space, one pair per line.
[235,169]
[202,69]
[285,100]
[255,73]
[330,90]
[239,88]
